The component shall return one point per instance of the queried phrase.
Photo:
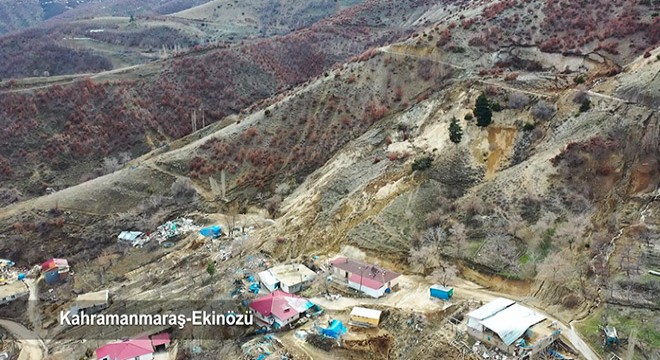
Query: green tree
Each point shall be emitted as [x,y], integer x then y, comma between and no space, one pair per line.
[482,111]
[210,268]
[455,131]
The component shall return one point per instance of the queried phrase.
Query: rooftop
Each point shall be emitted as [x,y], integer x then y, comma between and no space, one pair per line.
[97,298]
[364,312]
[280,304]
[292,274]
[365,270]
[491,308]
[14,288]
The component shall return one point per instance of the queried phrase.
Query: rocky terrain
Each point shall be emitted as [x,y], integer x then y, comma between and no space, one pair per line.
[555,200]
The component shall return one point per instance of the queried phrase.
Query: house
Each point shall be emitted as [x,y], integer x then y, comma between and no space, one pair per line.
[288,278]
[12,291]
[512,328]
[92,302]
[142,348]
[365,278]
[441,292]
[134,349]
[55,270]
[278,308]
[365,317]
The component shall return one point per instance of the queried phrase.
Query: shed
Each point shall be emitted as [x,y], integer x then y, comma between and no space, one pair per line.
[442,292]
[365,317]
[130,235]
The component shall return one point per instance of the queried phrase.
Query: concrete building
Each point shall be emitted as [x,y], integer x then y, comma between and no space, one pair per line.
[365,317]
[365,278]
[288,278]
[512,328]
[12,291]
[92,302]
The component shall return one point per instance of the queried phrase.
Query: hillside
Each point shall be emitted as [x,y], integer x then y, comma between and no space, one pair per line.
[345,147]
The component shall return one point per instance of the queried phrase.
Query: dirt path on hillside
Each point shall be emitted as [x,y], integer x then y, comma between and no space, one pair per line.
[73,78]
[32,347]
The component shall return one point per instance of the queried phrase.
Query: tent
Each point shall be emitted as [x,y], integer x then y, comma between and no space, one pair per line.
[212,231]
[335,330]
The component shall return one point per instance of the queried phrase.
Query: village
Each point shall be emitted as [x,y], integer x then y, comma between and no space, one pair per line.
[318,305]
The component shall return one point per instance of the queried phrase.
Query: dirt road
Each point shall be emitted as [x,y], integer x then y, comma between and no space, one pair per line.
[32,347]
[414,295]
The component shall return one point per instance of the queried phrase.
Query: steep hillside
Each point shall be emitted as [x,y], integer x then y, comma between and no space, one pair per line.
[158,106]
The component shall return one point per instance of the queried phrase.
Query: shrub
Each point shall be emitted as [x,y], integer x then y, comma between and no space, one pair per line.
[528,127]
[495,106]
[543,110]
[422,163]
[468,117]
[585,106]
[517,101]
[579,79]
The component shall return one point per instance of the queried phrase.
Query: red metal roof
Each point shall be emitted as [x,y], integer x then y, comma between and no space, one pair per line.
[53,263]
[365,270]
[125,350]
[366,281]
[280,304]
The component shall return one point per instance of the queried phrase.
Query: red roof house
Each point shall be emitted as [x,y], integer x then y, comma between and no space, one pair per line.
[279,308]
[370,279]
[140,349]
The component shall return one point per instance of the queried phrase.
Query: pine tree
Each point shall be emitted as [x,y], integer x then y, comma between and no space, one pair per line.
[482,111]
[455,131]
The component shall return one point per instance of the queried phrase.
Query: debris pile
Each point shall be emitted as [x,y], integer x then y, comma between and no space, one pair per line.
[171,230]
[262,347]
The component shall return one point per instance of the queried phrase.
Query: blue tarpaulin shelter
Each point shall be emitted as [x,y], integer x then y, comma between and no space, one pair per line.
[335,330]
[211,231]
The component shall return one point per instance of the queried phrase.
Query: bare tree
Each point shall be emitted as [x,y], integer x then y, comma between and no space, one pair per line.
[556,268]
[458,237]
[444,274]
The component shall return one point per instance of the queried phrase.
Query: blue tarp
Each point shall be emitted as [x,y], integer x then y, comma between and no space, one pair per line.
[335,330]
[254,287]
[211,231]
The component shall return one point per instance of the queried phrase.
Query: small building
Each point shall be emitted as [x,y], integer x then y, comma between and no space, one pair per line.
[13,291]
[134,237]
[365,317]
[92,302]
[288,278]
[161,341]
[442,292]
[279,308]
[369,279]
[512,328]
[55,270]
[135,349]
